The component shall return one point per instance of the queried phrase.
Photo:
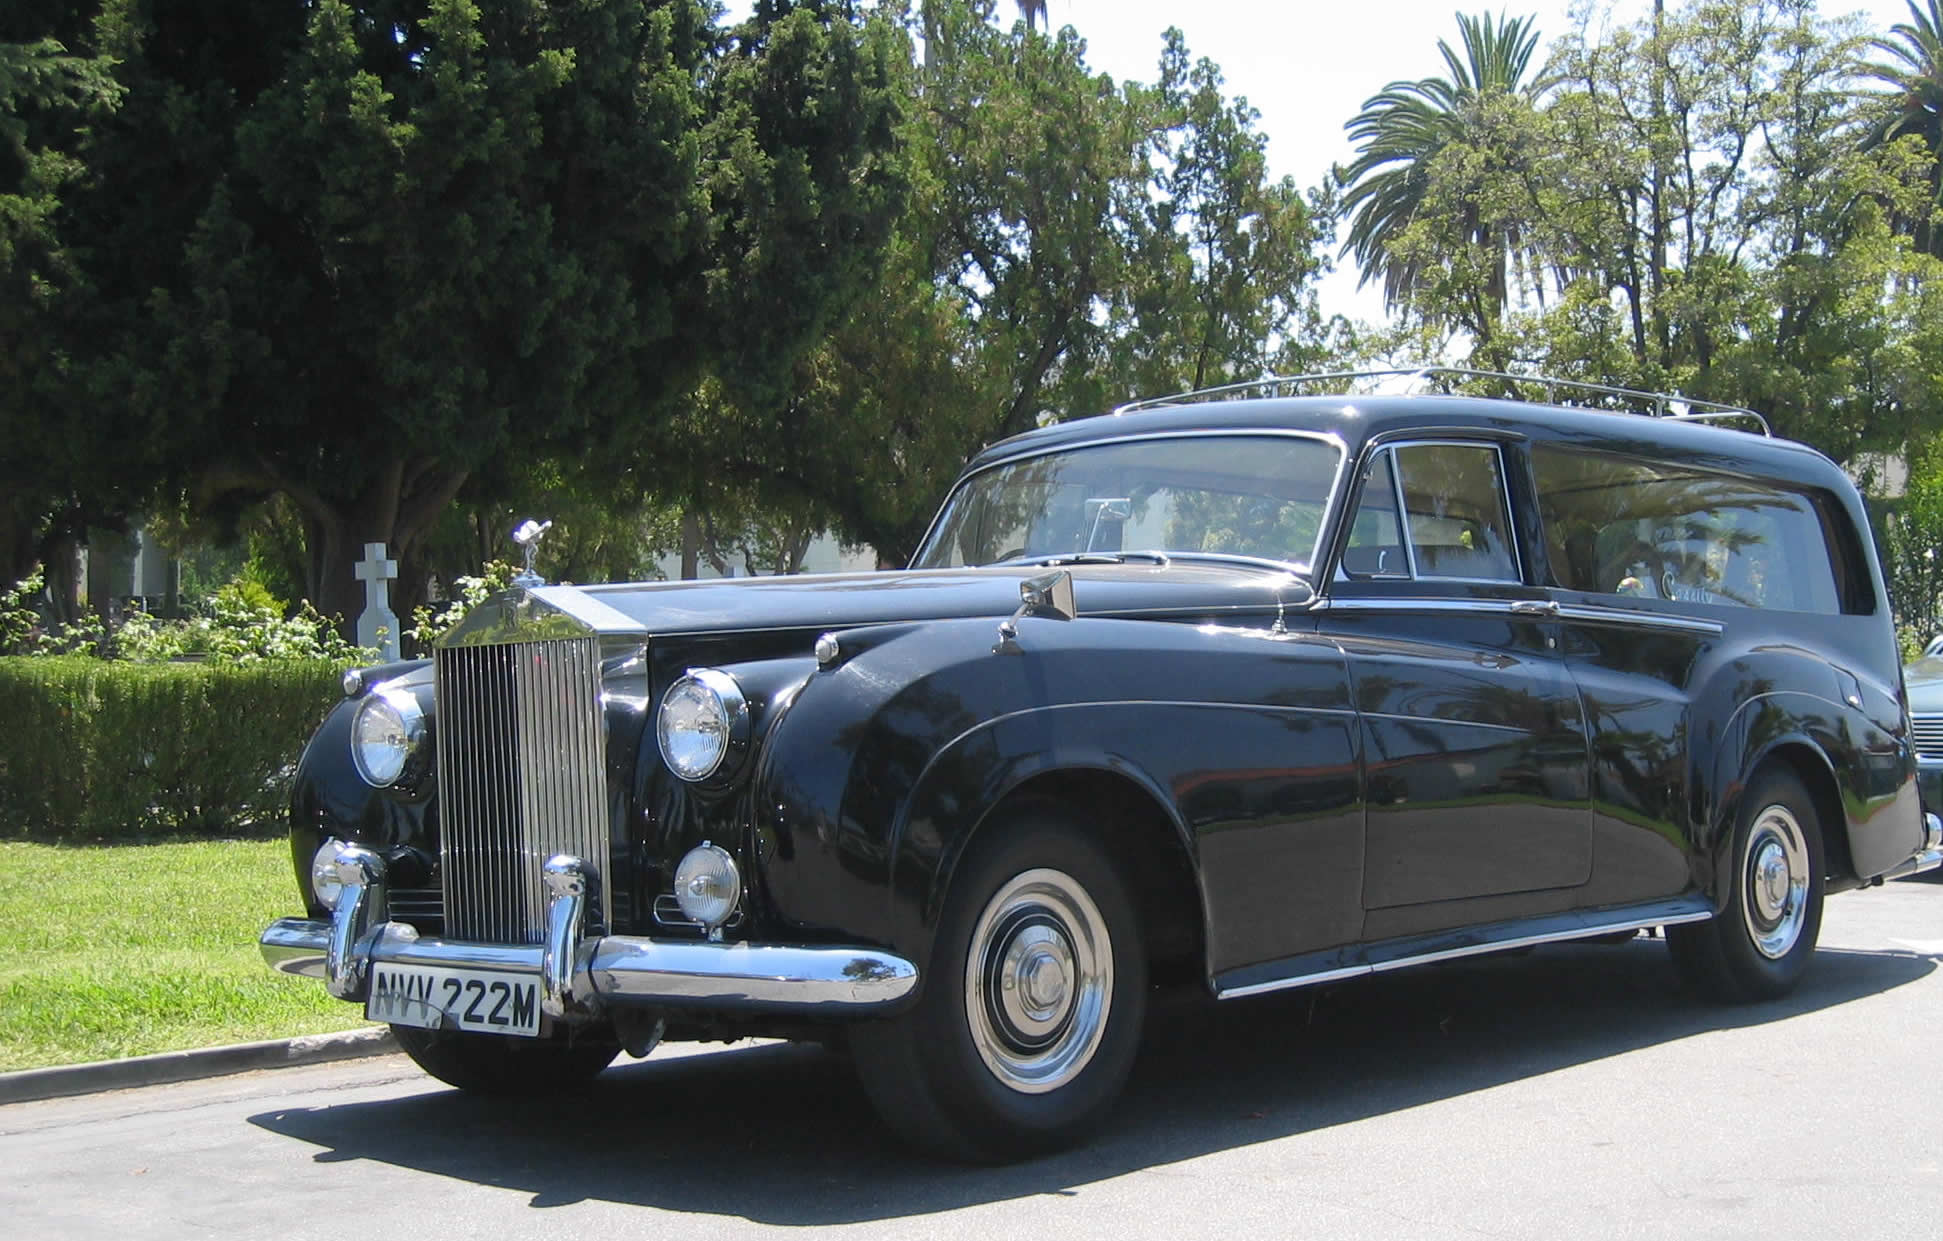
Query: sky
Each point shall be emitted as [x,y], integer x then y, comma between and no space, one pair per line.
[1308,65]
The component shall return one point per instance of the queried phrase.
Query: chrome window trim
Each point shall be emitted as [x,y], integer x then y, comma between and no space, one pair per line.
[1324,523]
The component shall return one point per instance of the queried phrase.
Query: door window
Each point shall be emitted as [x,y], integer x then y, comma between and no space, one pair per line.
[1433,511]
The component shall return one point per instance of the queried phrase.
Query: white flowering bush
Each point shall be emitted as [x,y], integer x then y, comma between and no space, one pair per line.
[429,623]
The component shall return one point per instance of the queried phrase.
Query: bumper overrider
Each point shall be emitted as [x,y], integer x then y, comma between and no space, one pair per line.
[580,978]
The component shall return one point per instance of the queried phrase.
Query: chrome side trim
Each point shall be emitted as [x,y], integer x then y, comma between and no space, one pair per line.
[1501,938]
[1285,984]
[1413,603]
[626,971]
[1523,609]
[1651,620]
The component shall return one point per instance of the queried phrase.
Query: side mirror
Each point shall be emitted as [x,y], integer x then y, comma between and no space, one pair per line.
[1049,595]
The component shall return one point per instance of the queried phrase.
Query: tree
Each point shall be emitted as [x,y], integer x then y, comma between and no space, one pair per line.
[364,254]
[1463,125]
[1069,244]
[48,97]
[1912,105]
[1221,256]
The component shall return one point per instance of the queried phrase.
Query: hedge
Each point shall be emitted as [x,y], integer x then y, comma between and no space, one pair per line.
[96,749]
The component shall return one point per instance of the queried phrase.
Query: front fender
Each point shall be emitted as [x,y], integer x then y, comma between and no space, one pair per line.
[888,762]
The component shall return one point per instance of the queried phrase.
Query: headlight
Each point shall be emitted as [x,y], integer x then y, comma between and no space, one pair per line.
[704,719]
[386,734]
[323,872]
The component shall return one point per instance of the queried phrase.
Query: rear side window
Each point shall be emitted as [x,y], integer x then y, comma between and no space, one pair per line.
[1655,530]
[1432,511]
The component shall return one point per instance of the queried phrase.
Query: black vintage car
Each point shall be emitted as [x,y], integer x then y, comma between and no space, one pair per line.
[1262,692]
[1924,679]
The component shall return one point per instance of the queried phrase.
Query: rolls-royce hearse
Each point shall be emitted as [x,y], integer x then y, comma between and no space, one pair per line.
[1247,687]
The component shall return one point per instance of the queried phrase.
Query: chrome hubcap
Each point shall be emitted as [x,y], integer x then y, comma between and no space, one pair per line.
[1039,981]
[1774,882]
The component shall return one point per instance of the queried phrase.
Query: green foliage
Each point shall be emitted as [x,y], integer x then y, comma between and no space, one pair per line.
[21,629]
[1069,242]
[430,624]
[1419,195]
[112,750]
[241,622]
[1912,548]
[356,253]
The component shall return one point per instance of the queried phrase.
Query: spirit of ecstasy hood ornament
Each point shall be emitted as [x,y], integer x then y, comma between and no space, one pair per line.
[528,534]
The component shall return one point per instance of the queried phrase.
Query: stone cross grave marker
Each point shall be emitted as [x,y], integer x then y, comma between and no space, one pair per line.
[378,626]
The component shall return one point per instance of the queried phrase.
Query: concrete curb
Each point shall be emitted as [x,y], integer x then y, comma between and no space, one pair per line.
[181,1066]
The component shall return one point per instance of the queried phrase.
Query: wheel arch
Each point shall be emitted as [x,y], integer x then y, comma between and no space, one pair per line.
[1134,823]
[1798,755]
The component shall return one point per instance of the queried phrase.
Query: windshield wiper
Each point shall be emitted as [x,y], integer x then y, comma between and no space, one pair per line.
[1060,558]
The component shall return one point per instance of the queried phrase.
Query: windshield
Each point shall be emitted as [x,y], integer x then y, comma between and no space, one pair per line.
[1258,496]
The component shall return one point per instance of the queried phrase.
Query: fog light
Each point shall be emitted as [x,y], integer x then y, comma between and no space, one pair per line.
[707,886]
[323,872]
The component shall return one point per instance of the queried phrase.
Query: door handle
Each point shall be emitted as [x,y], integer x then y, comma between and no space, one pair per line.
[1535,607]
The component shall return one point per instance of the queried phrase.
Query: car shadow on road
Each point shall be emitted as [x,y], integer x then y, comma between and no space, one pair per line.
[781,1134]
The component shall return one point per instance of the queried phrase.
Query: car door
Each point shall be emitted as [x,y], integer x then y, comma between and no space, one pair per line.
[1473,738]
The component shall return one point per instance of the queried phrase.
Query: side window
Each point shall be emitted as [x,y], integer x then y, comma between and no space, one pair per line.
[1454,509]
[1452,522]
[1376,535]
[1653,530]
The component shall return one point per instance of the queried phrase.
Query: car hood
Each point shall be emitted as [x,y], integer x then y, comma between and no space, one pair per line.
[836,601]
[1924,680]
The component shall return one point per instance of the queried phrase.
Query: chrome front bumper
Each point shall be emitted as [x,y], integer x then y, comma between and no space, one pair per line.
[1931,855]
[579,977]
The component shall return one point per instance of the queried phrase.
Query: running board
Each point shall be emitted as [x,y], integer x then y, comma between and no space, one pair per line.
[1357,960]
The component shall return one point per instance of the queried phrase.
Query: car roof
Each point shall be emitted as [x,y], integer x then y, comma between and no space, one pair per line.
[1356,420]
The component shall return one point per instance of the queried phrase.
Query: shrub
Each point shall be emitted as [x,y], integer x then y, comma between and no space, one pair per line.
[242,622]
[429,626]
[106,750]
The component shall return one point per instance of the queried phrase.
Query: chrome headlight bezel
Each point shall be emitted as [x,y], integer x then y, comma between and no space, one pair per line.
[702,726]
[388,733]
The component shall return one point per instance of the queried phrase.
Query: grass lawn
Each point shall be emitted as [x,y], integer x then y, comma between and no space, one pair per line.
[112,951]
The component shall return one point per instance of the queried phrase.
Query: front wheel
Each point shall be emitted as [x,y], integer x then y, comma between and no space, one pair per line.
[493,1064]
[1032,1007]
[1759,945]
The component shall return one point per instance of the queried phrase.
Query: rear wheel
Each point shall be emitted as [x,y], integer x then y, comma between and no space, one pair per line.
[491,1064]
[1759,945]
[1032,1006]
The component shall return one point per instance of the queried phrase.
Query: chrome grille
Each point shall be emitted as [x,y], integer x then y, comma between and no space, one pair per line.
[519,771]
[1929,736]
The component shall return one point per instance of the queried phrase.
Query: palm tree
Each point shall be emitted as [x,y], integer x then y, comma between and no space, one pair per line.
[1913,103]
[1400,133]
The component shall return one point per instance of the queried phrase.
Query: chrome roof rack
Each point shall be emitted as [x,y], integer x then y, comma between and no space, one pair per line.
[1442,379]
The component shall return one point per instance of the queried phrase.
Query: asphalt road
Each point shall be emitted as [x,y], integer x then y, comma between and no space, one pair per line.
[1569,1092]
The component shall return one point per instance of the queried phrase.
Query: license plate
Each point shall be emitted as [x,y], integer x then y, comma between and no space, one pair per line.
[437,998]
